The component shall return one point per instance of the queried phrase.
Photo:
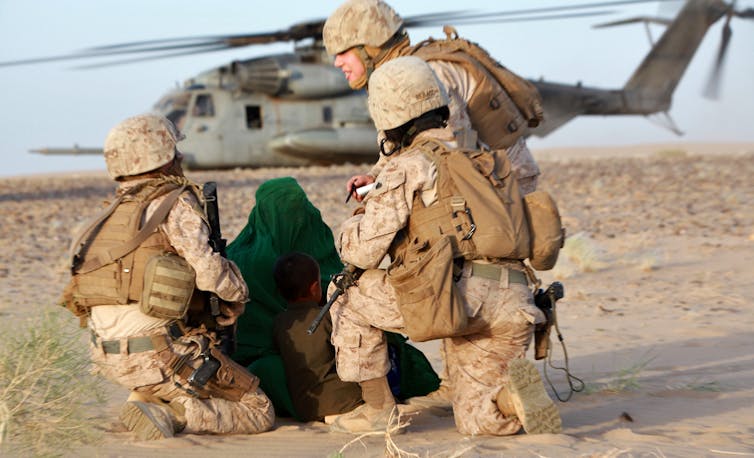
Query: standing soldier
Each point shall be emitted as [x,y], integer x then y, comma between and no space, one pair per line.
[135,270]
[494,390]
[364,34]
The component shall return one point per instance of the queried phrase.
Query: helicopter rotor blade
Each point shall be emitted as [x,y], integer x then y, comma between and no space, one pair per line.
[548,17]
[712,89]
[312,29]
[150,57]
[748,13]
[434,19]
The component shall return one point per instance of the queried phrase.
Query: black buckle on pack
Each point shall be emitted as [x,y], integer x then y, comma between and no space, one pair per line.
[175,331]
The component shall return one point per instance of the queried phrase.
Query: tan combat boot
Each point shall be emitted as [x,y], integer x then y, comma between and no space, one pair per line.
[374,415]
[150,418]
[524,396]
[441,398]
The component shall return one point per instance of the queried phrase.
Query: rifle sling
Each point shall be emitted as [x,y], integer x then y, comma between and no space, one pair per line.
[119,251]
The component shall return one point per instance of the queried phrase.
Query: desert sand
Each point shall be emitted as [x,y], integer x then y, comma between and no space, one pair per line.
[657,316]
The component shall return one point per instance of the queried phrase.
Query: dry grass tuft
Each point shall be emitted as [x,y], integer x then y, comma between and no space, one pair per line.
[47,393]
[580,253]
[396,423]
[626,379]
[671,154]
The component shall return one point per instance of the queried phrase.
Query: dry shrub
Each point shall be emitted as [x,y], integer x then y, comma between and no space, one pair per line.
[47,393]
[580,253]
[626,379]
[649,260]
[395,425]
[671,154]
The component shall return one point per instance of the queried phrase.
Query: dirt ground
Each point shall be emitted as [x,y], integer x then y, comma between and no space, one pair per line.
[659,279]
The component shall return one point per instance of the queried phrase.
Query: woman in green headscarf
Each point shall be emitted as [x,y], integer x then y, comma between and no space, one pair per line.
[283,220]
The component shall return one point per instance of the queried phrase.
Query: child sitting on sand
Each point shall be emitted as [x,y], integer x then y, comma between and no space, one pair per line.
[309,360]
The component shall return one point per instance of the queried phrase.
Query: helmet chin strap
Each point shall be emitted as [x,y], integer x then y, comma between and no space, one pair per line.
[372,57]
[368,63]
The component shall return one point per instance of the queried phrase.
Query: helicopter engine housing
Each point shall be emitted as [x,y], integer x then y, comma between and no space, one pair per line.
[287,77]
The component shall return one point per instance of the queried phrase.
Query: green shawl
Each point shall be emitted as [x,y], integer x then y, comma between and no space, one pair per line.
[282,220]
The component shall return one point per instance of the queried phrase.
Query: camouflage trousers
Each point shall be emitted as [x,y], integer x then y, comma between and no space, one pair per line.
[502,318]
[145,372]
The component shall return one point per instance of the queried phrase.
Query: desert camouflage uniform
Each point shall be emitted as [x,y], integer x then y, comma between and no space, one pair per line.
[503,314]
[144,371]
[460,86]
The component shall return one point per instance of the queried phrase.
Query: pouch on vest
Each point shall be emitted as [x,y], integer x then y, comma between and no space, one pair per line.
[547,232]
[428,299]
[168,286]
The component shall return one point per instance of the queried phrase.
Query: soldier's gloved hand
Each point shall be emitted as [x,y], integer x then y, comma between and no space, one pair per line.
[229,312]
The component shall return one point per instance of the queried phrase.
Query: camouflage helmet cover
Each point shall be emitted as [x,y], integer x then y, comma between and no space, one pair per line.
[403,89]
[140,144]
[360,22]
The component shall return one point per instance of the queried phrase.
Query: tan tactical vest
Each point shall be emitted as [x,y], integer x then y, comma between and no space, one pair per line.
[478,205]
[120,281]
[504,105]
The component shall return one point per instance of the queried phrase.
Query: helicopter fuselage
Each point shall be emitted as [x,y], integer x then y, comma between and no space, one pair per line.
[272,111]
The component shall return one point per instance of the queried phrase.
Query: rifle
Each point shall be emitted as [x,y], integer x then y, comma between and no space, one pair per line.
[226,334]
[342,281]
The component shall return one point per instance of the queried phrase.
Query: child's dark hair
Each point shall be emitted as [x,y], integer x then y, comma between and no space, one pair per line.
[294,273]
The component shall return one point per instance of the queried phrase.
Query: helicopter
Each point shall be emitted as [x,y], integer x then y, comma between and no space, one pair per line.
[295,108]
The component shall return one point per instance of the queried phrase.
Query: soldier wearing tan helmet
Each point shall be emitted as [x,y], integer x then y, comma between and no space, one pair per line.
[137,269]
[494,389]
[364,34]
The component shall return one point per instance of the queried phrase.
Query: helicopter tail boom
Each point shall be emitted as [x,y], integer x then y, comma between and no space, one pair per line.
[650,89]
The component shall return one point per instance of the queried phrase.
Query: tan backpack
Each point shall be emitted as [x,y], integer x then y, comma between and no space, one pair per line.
[479,213]
[479,205]
[504,105]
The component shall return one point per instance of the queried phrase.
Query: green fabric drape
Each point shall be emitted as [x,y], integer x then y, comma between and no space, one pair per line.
[284,220]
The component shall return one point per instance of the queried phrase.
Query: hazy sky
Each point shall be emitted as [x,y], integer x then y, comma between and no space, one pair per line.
[53,105]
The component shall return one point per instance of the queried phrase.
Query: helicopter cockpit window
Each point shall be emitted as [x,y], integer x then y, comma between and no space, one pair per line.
[327,115]
[203,106]
[253,116]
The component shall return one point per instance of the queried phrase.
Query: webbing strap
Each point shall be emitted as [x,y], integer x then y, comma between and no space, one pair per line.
[134,344]
[495,272]
[83,238]
[119,251]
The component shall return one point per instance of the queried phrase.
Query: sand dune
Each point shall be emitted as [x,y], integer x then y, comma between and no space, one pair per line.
[658,316]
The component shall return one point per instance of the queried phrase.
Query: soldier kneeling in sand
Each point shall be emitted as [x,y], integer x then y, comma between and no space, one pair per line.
[440,284]
[135,269]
